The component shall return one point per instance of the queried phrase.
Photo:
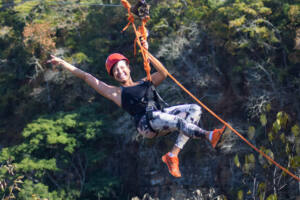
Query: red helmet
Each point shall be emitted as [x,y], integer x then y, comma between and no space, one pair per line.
[112,59]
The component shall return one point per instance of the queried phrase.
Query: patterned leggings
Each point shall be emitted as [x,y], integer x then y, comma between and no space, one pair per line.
[182,118]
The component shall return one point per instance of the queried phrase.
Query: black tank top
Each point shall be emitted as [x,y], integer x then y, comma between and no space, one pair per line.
[134,99]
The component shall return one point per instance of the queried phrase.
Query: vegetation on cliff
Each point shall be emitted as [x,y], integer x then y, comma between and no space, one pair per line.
[57,135]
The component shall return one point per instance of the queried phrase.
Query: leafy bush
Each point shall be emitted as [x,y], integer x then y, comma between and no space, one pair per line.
[64,153]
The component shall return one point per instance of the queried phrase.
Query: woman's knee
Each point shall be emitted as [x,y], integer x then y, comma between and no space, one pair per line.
[195,108]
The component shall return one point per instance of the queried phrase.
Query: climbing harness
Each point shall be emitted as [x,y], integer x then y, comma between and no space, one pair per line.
[154,103]
[146,54]
[141,100]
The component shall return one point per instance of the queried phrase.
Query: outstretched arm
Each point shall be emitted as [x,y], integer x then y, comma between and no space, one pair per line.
[108,91]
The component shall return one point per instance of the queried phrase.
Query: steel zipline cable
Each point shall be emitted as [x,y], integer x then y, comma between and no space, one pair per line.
[53,3]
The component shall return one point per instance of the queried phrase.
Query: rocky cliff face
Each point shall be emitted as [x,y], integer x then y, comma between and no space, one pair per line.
[231,171]
[207,173]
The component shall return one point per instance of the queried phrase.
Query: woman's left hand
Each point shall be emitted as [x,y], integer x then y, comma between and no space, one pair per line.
[144,43]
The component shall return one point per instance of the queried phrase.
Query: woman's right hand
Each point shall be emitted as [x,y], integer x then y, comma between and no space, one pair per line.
[55,60]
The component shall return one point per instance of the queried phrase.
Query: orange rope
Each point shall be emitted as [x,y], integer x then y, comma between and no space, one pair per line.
[145,54]
[224,122]
[235,131]
[141,32]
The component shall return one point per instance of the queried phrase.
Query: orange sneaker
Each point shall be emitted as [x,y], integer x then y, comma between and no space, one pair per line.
[173,164]
[216,135]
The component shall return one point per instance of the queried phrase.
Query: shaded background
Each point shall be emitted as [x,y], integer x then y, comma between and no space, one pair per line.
[62,140]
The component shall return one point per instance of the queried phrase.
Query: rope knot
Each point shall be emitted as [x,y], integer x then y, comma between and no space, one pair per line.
[131,18]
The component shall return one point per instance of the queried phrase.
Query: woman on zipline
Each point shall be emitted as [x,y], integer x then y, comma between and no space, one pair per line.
[135,96]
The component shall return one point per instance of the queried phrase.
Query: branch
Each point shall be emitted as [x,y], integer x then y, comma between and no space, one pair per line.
[254,189]
[274,180]
[268,75]
[291,179]
[53,180]
[83,171]
[76,170]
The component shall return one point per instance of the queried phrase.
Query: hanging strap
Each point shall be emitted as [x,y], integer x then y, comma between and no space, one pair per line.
[153,104]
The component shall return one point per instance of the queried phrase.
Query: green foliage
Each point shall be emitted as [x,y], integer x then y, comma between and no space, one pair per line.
[251,132]
[282,146]
[297,143]
[263,120]
[281,122]
[9,182]
[240,195]
[237,161]
[249,164]
[32,190]
[271,136]
[250,43]
[80,58]
[262,190]
[27,165]
[295,161]
[247,33]
[294,13]
[242,23]
[270,154]
[25,8]
[63,145]
[101,185]
[296,130]
[272,197]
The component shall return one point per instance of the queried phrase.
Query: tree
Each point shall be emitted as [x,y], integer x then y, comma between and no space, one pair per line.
[64,153]
[280,140]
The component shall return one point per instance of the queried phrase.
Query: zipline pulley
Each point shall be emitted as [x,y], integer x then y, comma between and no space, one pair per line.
[141,9]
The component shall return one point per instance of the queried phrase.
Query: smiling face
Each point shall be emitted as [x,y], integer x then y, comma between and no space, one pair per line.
[121,71]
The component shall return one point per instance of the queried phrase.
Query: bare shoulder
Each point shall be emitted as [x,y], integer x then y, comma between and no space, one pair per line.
[111,92]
